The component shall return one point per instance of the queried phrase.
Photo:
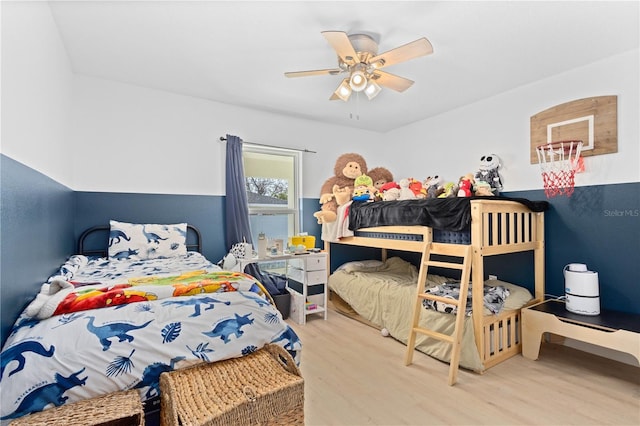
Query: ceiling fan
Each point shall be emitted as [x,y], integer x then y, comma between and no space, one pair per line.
[358,56]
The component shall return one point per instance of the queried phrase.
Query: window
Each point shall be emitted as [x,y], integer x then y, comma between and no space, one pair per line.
[273,183]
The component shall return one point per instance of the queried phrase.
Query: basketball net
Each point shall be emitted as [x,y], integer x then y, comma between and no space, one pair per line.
[559,162]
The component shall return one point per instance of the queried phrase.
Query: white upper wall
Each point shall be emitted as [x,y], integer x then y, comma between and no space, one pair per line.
[450,145]
[36,90]
[126,138]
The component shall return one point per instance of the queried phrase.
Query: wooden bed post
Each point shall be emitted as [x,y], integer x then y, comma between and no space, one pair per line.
[477,276]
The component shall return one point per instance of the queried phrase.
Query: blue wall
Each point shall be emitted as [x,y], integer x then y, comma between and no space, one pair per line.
[36,223]
[204,212]
[598,226]
[41,219]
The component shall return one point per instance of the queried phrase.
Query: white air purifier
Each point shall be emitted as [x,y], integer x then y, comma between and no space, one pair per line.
[581,288]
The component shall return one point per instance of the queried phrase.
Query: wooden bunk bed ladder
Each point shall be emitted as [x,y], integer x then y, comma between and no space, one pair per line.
[453,251]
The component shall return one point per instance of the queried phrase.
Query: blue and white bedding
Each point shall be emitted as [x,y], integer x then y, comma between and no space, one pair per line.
[66,358]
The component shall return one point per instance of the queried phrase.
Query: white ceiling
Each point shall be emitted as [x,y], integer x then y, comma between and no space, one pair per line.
[236,52]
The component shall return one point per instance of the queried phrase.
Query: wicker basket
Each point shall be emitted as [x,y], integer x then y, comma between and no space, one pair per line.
[117,408]
[263,388]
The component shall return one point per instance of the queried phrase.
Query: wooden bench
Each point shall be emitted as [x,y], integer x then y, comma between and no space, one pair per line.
[611,329]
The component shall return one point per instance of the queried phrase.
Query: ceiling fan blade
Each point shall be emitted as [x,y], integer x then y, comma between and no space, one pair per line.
[333,71]
[339,40]
[420,47]
[391,81]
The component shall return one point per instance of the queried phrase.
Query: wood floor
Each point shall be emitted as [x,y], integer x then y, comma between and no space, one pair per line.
[354,376]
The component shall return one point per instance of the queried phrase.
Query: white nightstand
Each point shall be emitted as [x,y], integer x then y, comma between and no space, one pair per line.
[306,281]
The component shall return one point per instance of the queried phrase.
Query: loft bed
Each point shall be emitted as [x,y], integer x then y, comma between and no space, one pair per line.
[137,300]
[468,229]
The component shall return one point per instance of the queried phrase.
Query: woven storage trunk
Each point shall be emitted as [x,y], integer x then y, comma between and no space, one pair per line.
[263,388]
[114,409]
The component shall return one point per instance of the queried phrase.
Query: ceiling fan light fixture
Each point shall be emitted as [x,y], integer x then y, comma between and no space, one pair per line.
[358,81]
[358,57]
[372,89]
[344,90]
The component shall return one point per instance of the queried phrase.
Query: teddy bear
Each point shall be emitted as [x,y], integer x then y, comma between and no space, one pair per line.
[363,189]
[489,165]
[380,177]
[405,192]
[346,169]
[342,195]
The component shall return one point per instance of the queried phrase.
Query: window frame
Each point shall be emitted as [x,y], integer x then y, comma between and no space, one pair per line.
[297,190]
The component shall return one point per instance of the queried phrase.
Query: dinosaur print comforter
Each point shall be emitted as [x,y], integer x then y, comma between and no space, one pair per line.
[199,314]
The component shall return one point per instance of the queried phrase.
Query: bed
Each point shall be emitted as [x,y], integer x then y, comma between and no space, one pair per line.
[115,319]
[471,228]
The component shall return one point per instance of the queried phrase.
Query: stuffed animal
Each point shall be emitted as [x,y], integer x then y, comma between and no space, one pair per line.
[364,189]
[342,195]
[450,189]
[483,189]
[434,186]
[405,192]
[347,168]
[417,188]
[380,177]
[465,186]
[390,191]
[489,165]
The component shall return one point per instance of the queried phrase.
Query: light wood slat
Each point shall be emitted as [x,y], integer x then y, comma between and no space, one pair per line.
[512,248]
[512,228]
[457,250]
[514,332]
[434,334]
[449,301]
[488,333]
[495,229]
[505,336]
[447,265]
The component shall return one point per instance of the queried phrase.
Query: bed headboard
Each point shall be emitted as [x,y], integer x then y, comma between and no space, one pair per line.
[95,240]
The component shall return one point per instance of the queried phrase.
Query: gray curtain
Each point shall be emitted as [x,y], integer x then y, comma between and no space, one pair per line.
[238,228]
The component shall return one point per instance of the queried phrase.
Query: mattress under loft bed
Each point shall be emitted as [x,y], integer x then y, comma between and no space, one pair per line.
[489,225]
[165,307]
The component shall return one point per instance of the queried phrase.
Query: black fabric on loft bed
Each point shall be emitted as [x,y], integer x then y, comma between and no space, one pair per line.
[452,214]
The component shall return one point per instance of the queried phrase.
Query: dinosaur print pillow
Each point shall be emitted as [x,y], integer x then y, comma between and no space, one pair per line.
[146,241]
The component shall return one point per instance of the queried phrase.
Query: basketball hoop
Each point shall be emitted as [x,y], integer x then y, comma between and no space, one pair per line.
[559,162]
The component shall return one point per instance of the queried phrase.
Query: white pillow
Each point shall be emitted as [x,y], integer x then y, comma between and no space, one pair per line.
[146,241]
[360,265]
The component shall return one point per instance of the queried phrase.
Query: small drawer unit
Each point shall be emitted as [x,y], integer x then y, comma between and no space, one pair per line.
[307,282]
